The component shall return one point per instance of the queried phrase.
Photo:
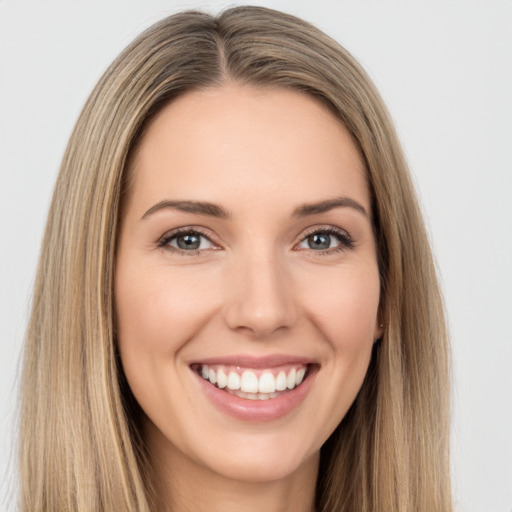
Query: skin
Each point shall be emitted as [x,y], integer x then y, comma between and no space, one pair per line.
[255,287]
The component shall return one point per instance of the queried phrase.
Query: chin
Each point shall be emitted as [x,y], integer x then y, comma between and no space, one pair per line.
[264,467]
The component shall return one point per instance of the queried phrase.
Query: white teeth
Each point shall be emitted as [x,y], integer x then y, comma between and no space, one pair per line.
[233,380]
[252,396]
[252,387]
[249,382]
[267,383]
[222,379]
[299,377]
[281,383]
[290,381]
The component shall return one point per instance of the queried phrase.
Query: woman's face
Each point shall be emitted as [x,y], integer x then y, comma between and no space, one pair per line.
[247,285]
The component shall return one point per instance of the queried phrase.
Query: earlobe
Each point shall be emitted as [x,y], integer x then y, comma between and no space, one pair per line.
[379,331]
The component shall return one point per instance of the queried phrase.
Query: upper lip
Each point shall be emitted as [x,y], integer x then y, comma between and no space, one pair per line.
[256,362]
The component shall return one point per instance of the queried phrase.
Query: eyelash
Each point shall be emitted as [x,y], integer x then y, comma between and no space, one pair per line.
[345,241]
[164,242]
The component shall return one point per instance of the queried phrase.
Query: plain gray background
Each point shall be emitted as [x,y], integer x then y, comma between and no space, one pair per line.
[444,69]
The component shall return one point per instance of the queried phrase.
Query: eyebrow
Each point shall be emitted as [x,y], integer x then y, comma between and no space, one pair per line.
[199,207]
[214,210]
[327,205]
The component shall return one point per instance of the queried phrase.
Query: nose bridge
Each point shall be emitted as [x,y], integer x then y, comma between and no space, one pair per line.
[261,294]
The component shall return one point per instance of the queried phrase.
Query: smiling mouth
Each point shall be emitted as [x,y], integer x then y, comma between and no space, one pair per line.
[254,384]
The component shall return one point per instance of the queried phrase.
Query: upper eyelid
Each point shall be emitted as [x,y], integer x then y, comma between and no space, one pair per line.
[323,227]
[187,229]
[173,233]
[344,237]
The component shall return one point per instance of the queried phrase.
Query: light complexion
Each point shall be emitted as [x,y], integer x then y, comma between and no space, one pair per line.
[246,256]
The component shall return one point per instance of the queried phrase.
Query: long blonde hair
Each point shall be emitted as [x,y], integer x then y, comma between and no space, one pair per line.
[80,443]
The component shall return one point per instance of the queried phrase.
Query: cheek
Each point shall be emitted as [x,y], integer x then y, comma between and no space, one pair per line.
[345,307]
[346,315]
[339,314]
[159,310]
[158,313]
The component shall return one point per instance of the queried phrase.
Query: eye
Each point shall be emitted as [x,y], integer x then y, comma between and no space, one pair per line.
[326,240]
[186,240]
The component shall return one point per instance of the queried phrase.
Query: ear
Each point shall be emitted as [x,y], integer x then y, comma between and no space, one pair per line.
[379,327]
[379,331]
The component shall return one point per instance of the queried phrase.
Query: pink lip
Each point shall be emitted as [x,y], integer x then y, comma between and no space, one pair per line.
[256,410]
[245,361]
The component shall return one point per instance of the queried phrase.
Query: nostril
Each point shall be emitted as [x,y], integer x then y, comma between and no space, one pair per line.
[260,322]
[259,300]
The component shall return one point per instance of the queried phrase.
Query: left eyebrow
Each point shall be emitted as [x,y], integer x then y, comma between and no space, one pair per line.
[198,207]
[329,204]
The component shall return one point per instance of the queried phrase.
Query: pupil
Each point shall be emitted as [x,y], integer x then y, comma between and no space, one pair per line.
[188,242]
[319,241]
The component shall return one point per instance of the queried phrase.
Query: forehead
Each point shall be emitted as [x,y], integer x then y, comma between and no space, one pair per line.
[244,142]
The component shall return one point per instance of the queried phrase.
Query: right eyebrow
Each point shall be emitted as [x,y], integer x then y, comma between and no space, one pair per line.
[329,204]
[199,207]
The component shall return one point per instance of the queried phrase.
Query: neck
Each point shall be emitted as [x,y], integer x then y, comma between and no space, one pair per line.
[183,485]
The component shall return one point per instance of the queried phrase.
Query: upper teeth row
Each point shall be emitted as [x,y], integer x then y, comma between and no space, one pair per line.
[249,381]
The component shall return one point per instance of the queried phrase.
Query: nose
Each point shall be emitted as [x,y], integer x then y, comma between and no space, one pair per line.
[261,299]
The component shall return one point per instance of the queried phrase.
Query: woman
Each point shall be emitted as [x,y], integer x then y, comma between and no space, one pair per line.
[236,305]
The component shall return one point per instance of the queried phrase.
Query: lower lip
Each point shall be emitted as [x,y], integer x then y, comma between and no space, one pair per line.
[257,410]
